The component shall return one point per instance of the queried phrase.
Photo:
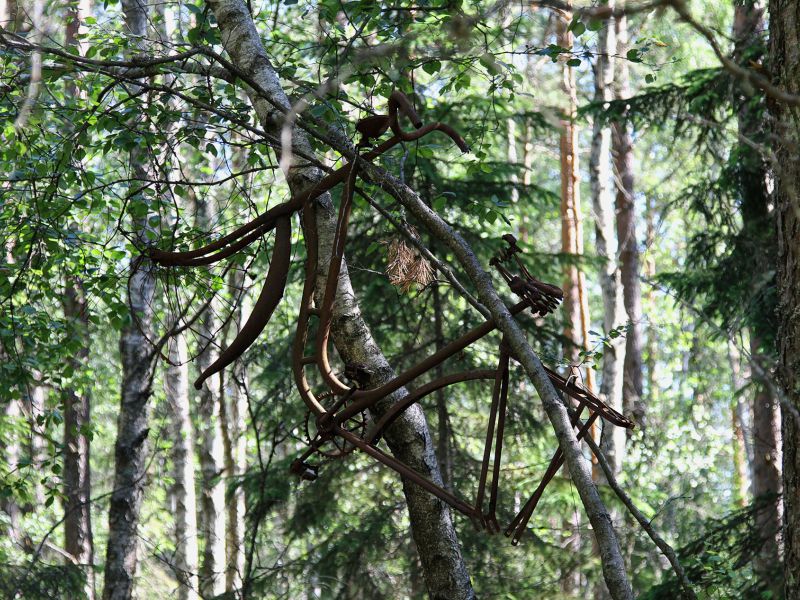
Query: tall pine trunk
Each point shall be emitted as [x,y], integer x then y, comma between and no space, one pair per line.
[758,221]
[784,66]
[575,302]
[576,327]
[78,540]
[741,475]
[130,449]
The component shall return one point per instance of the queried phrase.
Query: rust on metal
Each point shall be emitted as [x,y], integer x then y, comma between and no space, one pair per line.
[338,414]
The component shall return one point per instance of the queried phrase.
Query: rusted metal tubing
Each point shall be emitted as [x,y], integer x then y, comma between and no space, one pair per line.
[307,308]
[491,516]
[364,399]
[342,422]
[270,296]
[549,473]
[500,379]
[408,473]
[398,101]
[593,402]
[266,219]
[390,416]
[446,129]
[309,222]
[176,261]
[332,282]
[555,465]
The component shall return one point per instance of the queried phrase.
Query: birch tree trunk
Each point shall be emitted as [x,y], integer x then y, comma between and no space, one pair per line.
[233,408]
[210,443]
[444,450]
[511,143]
[11,449]
[626,235]
[612,440]
[176,386]
[130,450]
[446,576]
[784,58]
[527,166]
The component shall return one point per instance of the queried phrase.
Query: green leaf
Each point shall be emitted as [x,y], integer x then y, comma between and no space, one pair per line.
[595,25]
[574,62]
[578,29]
[432,67]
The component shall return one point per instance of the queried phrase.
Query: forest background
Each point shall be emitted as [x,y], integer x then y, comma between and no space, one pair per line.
[641,153]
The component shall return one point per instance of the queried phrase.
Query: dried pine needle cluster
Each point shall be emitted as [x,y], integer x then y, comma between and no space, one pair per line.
[406,266]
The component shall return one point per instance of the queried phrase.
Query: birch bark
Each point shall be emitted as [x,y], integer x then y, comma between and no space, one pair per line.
[210,443]
[612,440]
[130,449]
[176,386]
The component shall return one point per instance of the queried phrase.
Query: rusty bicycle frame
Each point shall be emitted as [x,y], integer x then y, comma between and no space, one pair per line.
[339,411]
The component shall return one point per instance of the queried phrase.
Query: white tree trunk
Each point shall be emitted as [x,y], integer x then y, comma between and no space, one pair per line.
[234,404]
[176,386]
[130,451]
[612,440]
[210,441]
